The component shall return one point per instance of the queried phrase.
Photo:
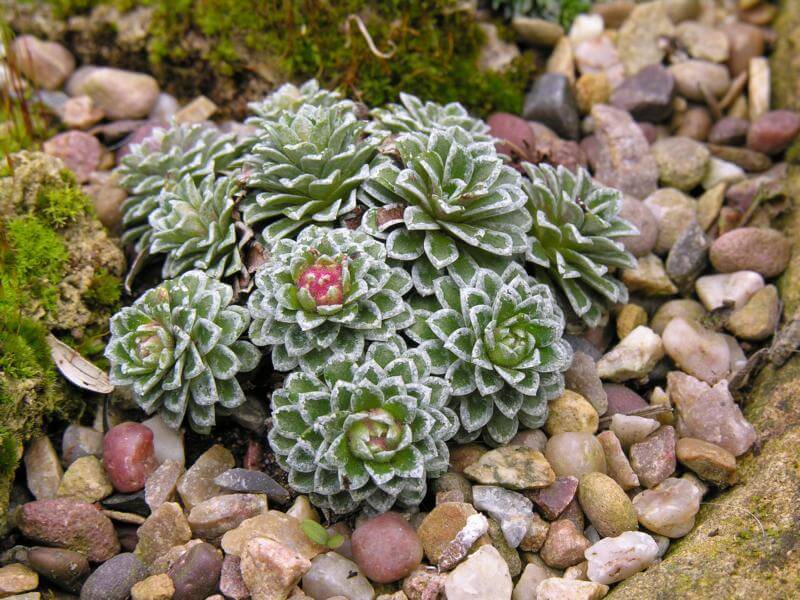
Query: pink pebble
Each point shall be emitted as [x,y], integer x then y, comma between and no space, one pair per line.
[386,548]
[129,456]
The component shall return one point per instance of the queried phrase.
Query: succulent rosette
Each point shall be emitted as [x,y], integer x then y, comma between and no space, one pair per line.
[364,434]
[195,227]
[178,347]
[305,168]
[414,115]
[324,295]
[161,161]
[289,97]
[498,342]
[448,203]
[572,240]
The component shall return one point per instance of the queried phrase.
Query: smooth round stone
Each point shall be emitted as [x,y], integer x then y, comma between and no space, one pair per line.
[46,64]
[668,509]
[213,517]
[711,462]
[66,568]
[538,32]
[535,439]
[120,94]
[16,578]
[734,289]
[688,309]
[575,454]
[332,575]
[696,350]
[636,212]
[631,429]
[606,505]
[571,412]
[484,574]
[81,152]
[773,132]
[114,579]
[695,123]
[622,399]
[729,131]
[616,558]
[167,443]
[386,548]
[681,162]
[128,456]
[196,573]
[758,319]
[760,249]
[690,75]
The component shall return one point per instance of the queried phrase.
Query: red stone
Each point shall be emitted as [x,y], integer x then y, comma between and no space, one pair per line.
[386,548]
[129,456]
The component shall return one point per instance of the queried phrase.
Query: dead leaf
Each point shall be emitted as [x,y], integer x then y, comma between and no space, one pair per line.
[77,369]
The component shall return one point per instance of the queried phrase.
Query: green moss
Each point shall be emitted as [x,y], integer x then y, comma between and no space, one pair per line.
[105,290]
[61,206]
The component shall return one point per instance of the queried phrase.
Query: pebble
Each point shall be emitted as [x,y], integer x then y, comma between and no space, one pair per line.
[721,171]
[616,558]
[425,581]
[484,574]
[16,578]
[653,459]
[162,484]
[591,89]
[749,160]
[639,39]
[79,441]
[760,249]
[196,573]
[622,399]
[273,525]
[674,211]
[575,454]
[510,509]
[302,510]
[709,205]
[709,413]
[632,429]
[509,554]
[606,505]
[556,588]
[670,508]
[513,467]
[759,93]
[617,464]
[571,412]
[633,358]
[86,481]
[167,443]
[231,583]
[128,456]
[131,503]
[585,27]
[538,32]
[535,439]
[80,113]
[688,257]
[119,94]
[729,131]
[536,535]
[515,136]
[552,103]
[495,54]
[69,524]
[740,195]
[476,527]
[165,528]
[647,95]
[562,60]
[332,574]
[114,579]
[46,64]
[599,56]
[564,546]
[197,484]
[386,548]
[649,277]
[681,162]
[634,211]
[758,319]
[554,499]
[695,123]
[198,110]
[624,160]
[441,526]
[43,470]
[629,318]
[548,147]
[213,517]
[155,587]
[734,289]
[711,462]
[81,152]
[532,576]
[270,569]
[254,482]
[65,568]
[698,351]
[745,42]
[703,42]
[690,75]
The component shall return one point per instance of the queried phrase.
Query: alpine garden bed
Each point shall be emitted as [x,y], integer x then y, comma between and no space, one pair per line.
[392,349]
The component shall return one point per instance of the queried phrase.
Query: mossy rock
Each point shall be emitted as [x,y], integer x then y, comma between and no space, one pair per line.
[747,539]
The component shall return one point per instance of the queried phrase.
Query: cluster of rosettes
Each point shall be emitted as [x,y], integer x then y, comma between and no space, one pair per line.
[387,250]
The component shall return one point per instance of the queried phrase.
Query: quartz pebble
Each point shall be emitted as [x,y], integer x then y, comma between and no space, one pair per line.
[79,441]
[484,574]
[532,576]
[649,277]
[46,64]
[564,546]
[167,443]
[476,527]
[510,509]
[556,588]
[165,528]
[386,548]
[118,93]
[574,454]
[514,467]
[633,357]
[213,517]
[197,484]
[696,350]
[631,429]
[692,75]
[162,484]
[691,310]
[332,574]
[617,464]
[441,526]
[758,319]
[668,509]
[270,569]
[128,456]
[711,462]
[571,412]
[734,289]
[653,459]
[616,558]
[554,499]
[274,525]
[43,470]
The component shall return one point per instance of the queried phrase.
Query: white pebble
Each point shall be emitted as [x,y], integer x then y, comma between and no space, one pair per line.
[617,558]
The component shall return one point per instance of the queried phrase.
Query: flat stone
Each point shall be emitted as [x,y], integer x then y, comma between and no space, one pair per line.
[681,162]
[162,484]
[709,205]
[622,399]
[554,499]
[703,42]
[43,470]
[709,413]
[86,481]
[674,212]
[634,211]
[556,588]
[562,60]
[647,95]
[196,573]
[729,131]
[599,56]
[761,249]
[552,103]
[629,318]
[80,113]
[79,441]
[653,460]
[483,575]
[120,94]
[773,132]
[640,35]
[633,358]
[69,524]
[213,517]
[131,503]
[617,464]
[632,429]
[510,509]
[536,534]
[616,558]
[16,578]
[197,484]
[538,32]
[270,569]
[514,467]
[688,257]
[65,568]
[745,42]
[334,575]
[692,75]
[695,123]
[198,110]
[759,90]
[606,505]
[164,562]
[46,64]
[591,89]
[721,171]
[758,319]
[564,545]
[231,583]
[114,579]
[386,548]
[698,351]
[649,277]
[548,147]
[582,378]
[530,579]
[574,454]
[670,508]
[733,289]
[165,528]
[712,463]
[625,161]
[749,160]
[253,482]
[274,525]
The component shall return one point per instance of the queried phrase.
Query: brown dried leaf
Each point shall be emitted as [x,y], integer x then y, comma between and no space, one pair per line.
[77,369]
